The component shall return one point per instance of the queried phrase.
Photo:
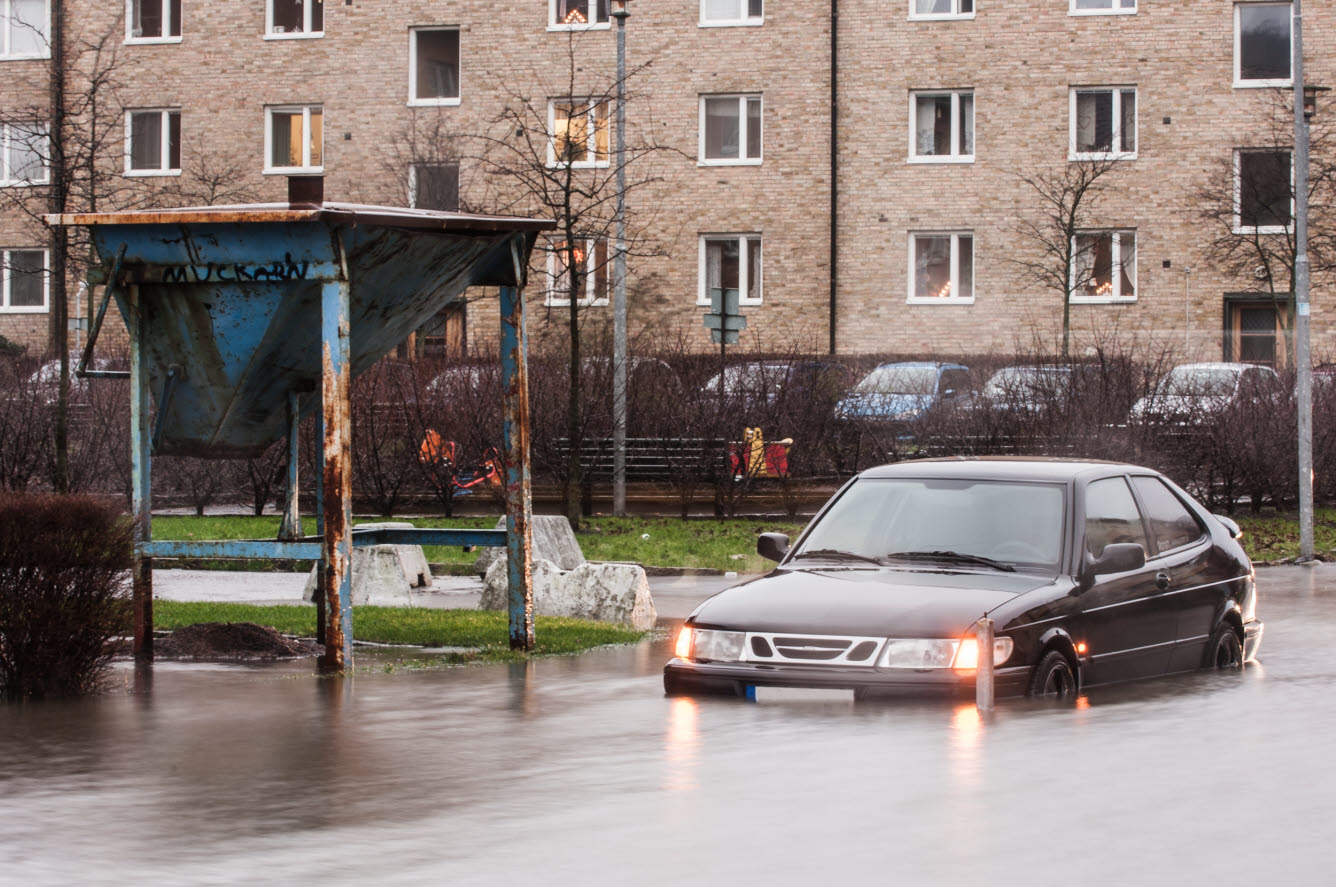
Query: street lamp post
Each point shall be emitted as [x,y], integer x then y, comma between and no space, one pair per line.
[619,357]
[1303,362]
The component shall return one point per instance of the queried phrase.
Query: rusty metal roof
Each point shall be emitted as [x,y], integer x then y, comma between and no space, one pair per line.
[336,213]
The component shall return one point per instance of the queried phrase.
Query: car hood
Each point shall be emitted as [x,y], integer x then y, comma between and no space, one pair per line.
[864,602]
[882,405]
[1178,405]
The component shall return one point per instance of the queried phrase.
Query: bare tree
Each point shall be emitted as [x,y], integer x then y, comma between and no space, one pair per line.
[1067,199]
[208,180]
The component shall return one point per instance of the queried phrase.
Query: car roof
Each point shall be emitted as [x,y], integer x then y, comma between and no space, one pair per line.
[1002,468]
[1213,365]
[923,364]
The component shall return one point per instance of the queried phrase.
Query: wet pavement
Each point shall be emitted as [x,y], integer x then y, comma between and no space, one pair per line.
[578,771]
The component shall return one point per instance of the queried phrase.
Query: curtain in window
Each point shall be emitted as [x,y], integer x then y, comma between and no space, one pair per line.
[754,129]
[933,124]
[754,269]
[723,10]
[577,12]
[965,260]
[288,18]
[438,64]
[1128,124]
[932,7]
[1094,122]
[932,267]
[721,267]
[286,135]
[722,132]
[27,27]
[146,140]
[1127,263]
[28,149]
[754,8]
[27,279]
[967,123]
[317,136]
[147,18]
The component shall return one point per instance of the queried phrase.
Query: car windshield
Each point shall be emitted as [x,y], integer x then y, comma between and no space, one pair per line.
[1025,380]
[894,379]
[750,377]
[1199,382]
[911,522]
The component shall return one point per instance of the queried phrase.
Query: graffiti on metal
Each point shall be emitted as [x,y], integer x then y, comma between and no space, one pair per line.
[231,272]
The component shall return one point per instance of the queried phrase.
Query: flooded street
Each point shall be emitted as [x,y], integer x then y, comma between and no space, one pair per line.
[578,771]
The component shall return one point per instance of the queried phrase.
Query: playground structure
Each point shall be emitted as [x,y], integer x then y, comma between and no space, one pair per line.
[242,320]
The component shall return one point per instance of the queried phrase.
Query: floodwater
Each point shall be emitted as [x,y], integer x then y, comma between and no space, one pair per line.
[578,771]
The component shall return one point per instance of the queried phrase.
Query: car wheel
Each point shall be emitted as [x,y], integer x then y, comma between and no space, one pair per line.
[1224,650]
[1053,677]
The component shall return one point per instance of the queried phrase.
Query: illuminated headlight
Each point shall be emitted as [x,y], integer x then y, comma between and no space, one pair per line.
[967,657]
[914,653]
[720,646]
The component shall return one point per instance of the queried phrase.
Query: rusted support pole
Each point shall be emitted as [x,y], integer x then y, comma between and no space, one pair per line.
[983,679]
[320,531]
[336,436]
[291,528]
[519,506]
[141,478]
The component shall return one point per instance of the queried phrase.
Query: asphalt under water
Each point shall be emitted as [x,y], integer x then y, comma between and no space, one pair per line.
[577,770]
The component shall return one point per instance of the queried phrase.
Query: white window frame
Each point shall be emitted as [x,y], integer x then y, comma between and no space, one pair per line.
[1117,123]
[955,235]
[1239,227]
[1239,82]
[743,134]
[5,277]
[592,298]
[165,147]
[953,15]
[956,135]
[744,279]
[745,21]
[591,146]
[413,100]
[306,110]
[554,25]
[6,135]
[6,26]
[305,34]
[132,39]
[1115,258]
[1115,8]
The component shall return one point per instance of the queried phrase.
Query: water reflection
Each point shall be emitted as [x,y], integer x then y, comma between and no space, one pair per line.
[682,745]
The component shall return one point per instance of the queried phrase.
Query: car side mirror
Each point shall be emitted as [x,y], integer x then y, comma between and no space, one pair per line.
[1118,557]
[772,546]
[1235,531]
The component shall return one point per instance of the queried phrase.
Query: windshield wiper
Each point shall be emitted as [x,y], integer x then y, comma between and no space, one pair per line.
[836,554]
[953,557]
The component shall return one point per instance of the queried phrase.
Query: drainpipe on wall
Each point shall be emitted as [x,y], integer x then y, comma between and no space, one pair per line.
[834,161]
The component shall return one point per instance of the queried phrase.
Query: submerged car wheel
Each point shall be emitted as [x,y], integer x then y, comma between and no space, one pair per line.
[1053,677]
[1224,650]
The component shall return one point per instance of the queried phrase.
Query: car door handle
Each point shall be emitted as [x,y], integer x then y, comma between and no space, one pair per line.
[1161,581]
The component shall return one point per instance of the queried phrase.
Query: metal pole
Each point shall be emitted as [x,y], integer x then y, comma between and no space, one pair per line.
[519,503]
[983,675]
[291,527]
[619,356]
[1302,360]
[141,478]
[336,437]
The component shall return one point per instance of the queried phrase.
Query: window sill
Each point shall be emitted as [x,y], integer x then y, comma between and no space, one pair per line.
[293,170]
[742,303]
[295,35]
[600,26]
[21,184]
[930,159]
[151,173]
[1085,12]
[1265,229]
[584,303]
[1073,156]
[942,18]
[41,310]
[1287,83]
[19,58]
[914,300]
[582,164]
[747,162]
[433,103]
[151,41]
[1103,300]
[741,23]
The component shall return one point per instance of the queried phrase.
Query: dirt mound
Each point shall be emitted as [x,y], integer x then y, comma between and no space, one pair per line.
[230,640]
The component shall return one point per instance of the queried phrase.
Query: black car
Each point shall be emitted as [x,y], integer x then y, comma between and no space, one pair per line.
[1092,572]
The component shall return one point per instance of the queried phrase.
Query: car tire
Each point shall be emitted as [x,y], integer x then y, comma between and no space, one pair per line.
[1053,677]
[1224,649]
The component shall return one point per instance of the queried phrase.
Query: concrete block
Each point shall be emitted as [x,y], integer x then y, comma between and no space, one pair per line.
[378,578]
[601,592]
[411,559]
[553,540]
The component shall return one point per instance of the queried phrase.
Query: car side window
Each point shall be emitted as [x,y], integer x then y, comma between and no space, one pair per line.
[957,381]
[1171,524]
[1111,516]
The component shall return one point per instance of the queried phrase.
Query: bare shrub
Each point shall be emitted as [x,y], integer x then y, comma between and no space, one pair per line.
[25,425]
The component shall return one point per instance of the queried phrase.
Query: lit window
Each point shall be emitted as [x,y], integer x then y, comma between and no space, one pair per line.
[153,21]
[1262,53]
[579,132]
[730,130]
[1102,7]
[591,258]
[1263,192]
[293,139]
[572,15]
[24,152]
[1104,267]
[1103,123]
[295,18]
[942,126]
[730,262]
[716,13]
[941,267]
[434,186]
[23,281]
[433,60]
[153,142]
[25,29]
[939,9]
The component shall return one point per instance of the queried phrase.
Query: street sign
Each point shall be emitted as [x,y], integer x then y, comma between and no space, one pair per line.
[729,337]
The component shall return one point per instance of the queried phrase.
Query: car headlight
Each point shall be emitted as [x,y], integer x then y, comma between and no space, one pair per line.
[1249,609]
[917,653]
[720,646]
[967,657]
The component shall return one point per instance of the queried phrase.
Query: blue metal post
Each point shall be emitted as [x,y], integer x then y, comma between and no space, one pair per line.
[320,528]
[291,528]
[519,506]
[141,474]
[336,436]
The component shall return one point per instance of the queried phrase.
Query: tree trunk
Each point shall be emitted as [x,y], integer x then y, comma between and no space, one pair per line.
[573,431]
[60,479]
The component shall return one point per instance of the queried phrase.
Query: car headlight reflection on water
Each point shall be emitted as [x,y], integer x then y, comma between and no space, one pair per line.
[719,646]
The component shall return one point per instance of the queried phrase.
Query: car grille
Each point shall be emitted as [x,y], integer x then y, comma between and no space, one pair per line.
[812,649]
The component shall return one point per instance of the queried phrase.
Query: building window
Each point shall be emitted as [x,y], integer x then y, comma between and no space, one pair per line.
[941,267]
[942,127]
[434,186]
[153,21]
[294,137]
[25,26]
[1263,192]
[23,281]
[433,63]
[722,13]
[730,130]
[940,9]
[1262,54]
[575,15]
[1255,329]
[1102,7]
[579,132]
[153,142]
[1104,266]
[24,151]
[1103,123]
[730,262]
[591,257]
[294,18]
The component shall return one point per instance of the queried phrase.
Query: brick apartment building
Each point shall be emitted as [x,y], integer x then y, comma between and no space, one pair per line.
[938,111]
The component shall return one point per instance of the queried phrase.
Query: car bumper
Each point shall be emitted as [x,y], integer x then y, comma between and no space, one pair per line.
[1252,640]
[685,677]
